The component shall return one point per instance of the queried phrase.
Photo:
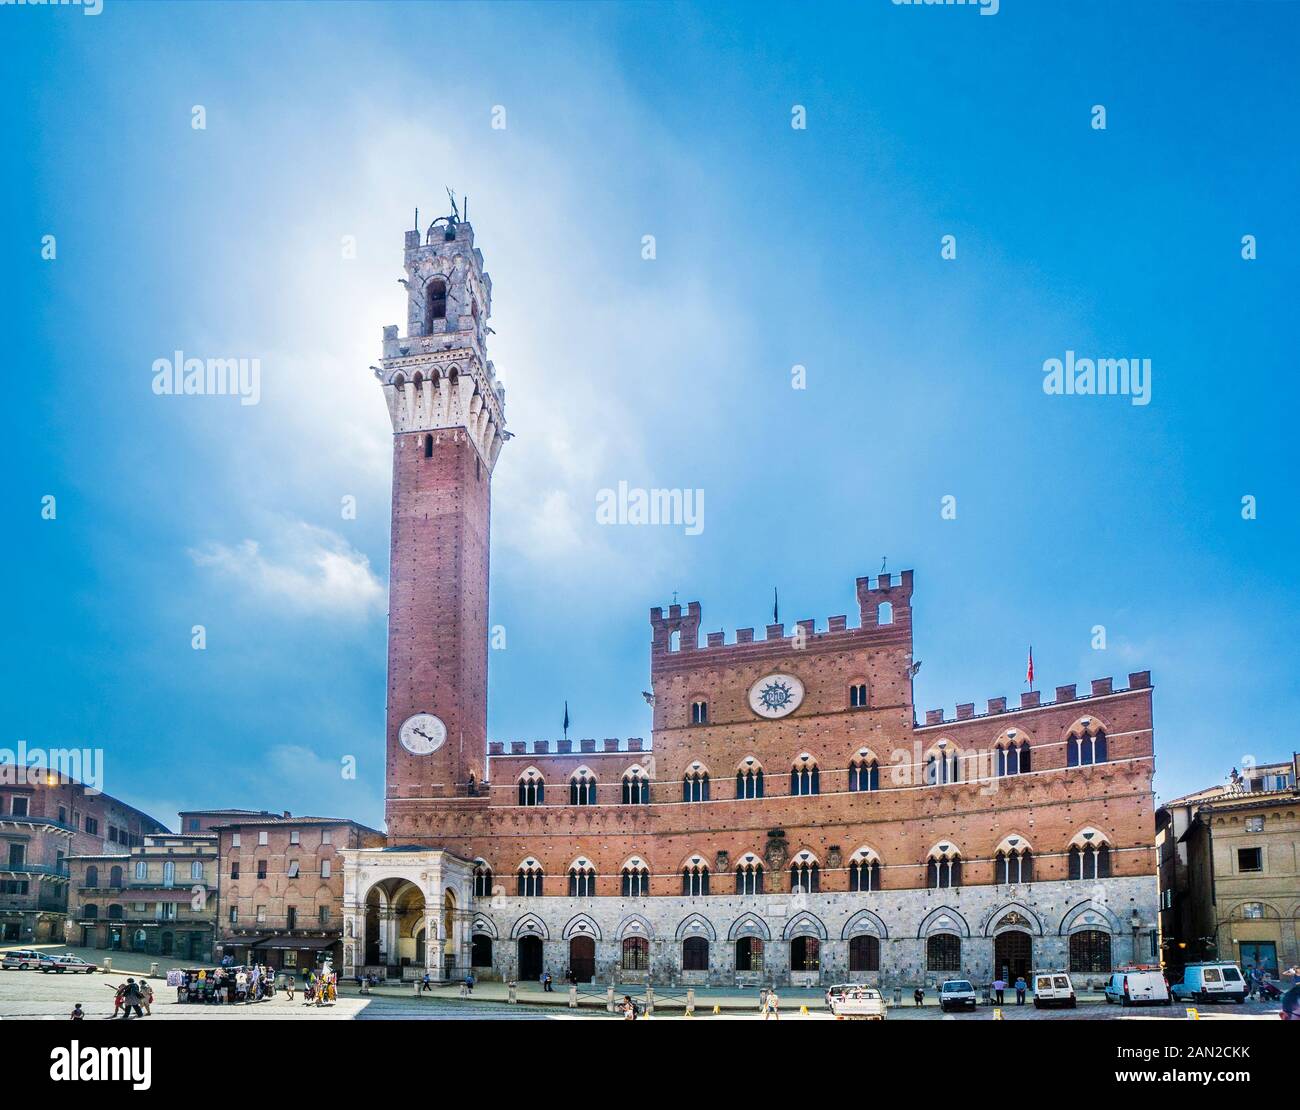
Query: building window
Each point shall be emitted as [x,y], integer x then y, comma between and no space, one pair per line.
[1253,911]
[291,917]
[19,806]
[1014,866]
[532,789]
[695,954]
[943,952]
[141,869]
[1254,824]
[805,876]
[858,696]
[695,879]
[1090,861]
[582,789]
[1250,859]
[804,777]
[261,869]
[292,873]
[323,915]
[90,912]
[234,840]
[1085,750]
[699,712]
[481,950]
[530,879]
[943,870]
[428,446]
[435,301]
[582,881]
[749,782]
[749,877]
[261,837]
[234,915]
[115,877]
[941,767]
[92,826]
[92,876]
[749,954]
[234,869]
[482,881]
[695,786]
[636,788]
[326,836]
[326,869]
[864,875]
[1012,759]
[261,915]
[169,873]
[636,879]
[636,954]
[196,871]
[864,954]
[805,954]
[864,774]
[1090,951]
[295,837]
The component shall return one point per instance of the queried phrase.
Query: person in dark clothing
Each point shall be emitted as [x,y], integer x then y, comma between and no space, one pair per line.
[132,1000]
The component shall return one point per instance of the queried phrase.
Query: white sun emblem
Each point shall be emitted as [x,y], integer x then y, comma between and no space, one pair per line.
[775,695]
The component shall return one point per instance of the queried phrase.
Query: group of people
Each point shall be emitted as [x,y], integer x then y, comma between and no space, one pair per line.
[769,1003]
[322,987]
[225,985]
[131,998]
[1000,990]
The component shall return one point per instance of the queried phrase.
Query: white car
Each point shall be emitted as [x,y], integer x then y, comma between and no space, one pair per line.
[68,962]
[1136,986]
[957,994]
[853,1000]
[23,959]
[1053,988]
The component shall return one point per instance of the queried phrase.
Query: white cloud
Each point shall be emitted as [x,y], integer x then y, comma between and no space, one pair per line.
[301,569]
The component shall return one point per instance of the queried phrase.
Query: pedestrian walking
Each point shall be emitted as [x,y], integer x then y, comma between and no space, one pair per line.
[1021,987]
[119,996]
[146,998]
[288,987]
[131,1000]
[78,1014]
[762,1002]
[469,982]
[774,1004]
[629,1008]
[999,989]
[546,983]
[918,996]
[425,983]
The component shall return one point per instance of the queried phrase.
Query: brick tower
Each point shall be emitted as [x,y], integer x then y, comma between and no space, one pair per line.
[447,410]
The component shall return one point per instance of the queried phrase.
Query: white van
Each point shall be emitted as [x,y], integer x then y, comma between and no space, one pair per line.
[1138,986]
[1211,982]
[1052,988]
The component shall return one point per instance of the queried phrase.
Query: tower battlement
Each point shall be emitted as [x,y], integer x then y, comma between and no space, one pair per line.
[886,604]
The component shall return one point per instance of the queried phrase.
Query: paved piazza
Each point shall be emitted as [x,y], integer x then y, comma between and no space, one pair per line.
[32,995]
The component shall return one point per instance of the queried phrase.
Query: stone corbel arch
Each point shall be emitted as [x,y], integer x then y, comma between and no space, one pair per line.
[864,923]
[749,925]
[1028,921]
[581,925]
[943,919]
[1090,914]
[643,927]
[705,929]
[530,925]
[484,925]
[804,924]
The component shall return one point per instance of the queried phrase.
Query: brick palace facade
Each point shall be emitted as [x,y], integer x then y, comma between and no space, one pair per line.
[791,821]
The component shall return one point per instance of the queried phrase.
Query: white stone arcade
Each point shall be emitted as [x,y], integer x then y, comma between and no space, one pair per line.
[406,911]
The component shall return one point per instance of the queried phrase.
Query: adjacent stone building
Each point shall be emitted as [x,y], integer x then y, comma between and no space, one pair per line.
[45,818]
[279,884]
[1233,891]
[790,821]
[160,899]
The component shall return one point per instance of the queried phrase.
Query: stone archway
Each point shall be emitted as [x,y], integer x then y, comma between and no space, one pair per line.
[1013,955]
[395,925]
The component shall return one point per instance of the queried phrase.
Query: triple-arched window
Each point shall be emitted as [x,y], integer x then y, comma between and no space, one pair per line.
[943,869]
[1089,861]
[695,784]
[864,772]
[1013,865]
[695,877]
[804,776]
[482,880]
[749,779]
[864,871]
[1011,757]
[941,766]
[749,875]
[530,879]
[582,788]
[1086,744]
[532,788]
[582,879]
[636,787]
[805,876]
[636,878]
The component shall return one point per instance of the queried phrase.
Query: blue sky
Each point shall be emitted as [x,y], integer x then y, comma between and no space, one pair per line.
[775,247]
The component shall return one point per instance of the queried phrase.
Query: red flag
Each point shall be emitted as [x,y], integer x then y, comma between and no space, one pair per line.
[1029,672]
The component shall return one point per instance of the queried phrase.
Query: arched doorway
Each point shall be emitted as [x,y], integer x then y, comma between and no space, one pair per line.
[530,957]
[1013,955]
[395,924]
[582,958]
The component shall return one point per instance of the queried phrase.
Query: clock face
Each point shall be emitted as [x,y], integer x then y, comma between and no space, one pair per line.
[423,733]
[776,695]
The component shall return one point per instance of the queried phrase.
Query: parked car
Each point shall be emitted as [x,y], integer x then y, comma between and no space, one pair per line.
[1211,982]
[1136,986]
[67,962]
[1053,988]
[854,1000]
[23,959]
[956,994]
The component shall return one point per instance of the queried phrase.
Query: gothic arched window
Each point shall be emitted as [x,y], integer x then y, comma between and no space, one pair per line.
[864,954]
[530,877]
[582,880]
[636,788]
[695,785]
[532,789]
[695,878]
[749,875]
[864,773]
[943,952]
[699,712]
[858,695]
[636,954]
[435,300]
[695,954]
[943,869]
[482,880]
[636,879]
[582,788]
[804,776]
[749,780]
